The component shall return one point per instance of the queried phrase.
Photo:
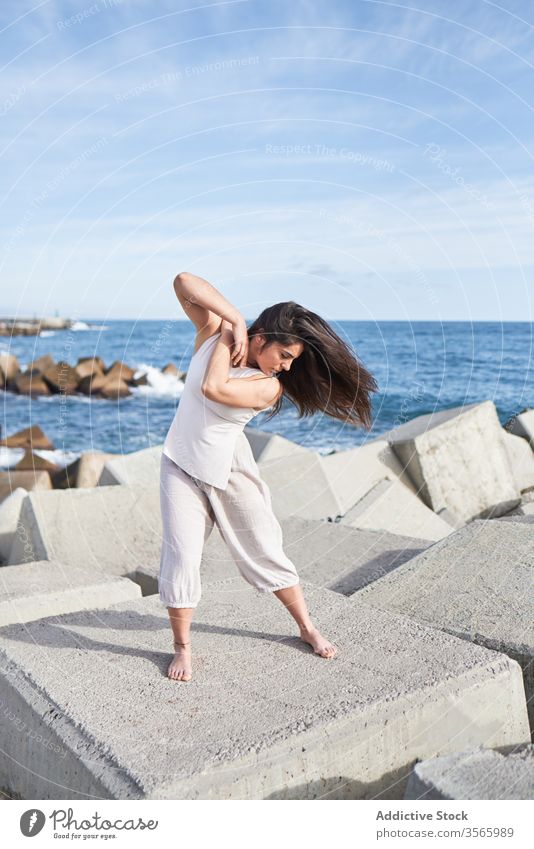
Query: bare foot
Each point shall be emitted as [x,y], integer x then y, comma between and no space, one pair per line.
[180,666]
[320,645]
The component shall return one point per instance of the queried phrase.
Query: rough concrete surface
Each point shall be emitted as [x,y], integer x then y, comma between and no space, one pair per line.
[113,529]
[520,518]
[479,774]
[299,486]
[477,583]
[458,460]
[328,554]
[521,458]
[523,425]
[46,588]
[353,473]
[268,446]
[139,468]
[9,517]
[391,506]
[11,480]
[263,717]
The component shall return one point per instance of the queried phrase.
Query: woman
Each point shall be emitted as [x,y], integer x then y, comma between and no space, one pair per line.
[208,472]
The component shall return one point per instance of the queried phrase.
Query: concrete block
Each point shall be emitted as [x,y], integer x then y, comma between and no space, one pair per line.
[391,506]
[519,517]
[525,508]
[478,774]
[263,717]
[135,469]
[345,559]
[477,584]
[9,517]
[521,457]
[113,529]
[299,486]
[47,588]
[458,460]
[353,473]
[269,446]
[327,554]
[523,425]
[11,480]
[306,484]
[83,472]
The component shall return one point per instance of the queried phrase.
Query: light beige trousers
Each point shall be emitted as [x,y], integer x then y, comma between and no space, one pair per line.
[244,516]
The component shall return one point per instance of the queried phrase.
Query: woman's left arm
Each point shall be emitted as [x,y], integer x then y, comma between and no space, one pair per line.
[252,392]
[218,369]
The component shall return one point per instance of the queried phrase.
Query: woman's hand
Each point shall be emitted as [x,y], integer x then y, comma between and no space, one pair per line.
[239,353]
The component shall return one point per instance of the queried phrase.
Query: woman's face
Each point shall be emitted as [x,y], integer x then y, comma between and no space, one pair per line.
[275,357]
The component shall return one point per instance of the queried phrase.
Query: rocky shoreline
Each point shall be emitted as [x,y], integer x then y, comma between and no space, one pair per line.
[89,376]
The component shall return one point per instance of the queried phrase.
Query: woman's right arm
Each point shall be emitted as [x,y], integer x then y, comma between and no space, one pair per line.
[207,308]
[201,301]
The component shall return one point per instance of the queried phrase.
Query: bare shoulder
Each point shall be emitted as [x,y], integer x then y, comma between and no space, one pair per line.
[271,388]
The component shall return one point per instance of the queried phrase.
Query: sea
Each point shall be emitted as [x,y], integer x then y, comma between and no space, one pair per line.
[420,367]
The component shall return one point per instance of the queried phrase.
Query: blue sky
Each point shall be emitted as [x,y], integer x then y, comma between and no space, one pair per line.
[370,160]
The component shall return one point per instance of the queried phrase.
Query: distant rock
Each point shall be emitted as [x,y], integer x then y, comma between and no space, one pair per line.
[31,384]
[87,368]
[40,364]
[61,377]
[88,377]
[9,369]
[120,370]
[30,437]
[32,461]
[114,387]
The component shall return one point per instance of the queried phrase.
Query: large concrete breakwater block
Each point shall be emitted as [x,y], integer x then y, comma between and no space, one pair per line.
[90,713]
[83,472]
[143,467]
[477,584]
[343,485]
[9,519]
[299,486]
[519,518]
[354,472]
[11,480]
[270,446]
[46,588]
[306,485]
[521,458]
[523,425]
[138,468]
[111,529]
[458,460]
[391,506]
[328,554]
[479,774]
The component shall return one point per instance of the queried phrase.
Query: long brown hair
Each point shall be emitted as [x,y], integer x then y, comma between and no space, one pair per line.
[327,376]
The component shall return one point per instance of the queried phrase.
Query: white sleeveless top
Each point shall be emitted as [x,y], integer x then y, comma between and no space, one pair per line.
[203,433]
